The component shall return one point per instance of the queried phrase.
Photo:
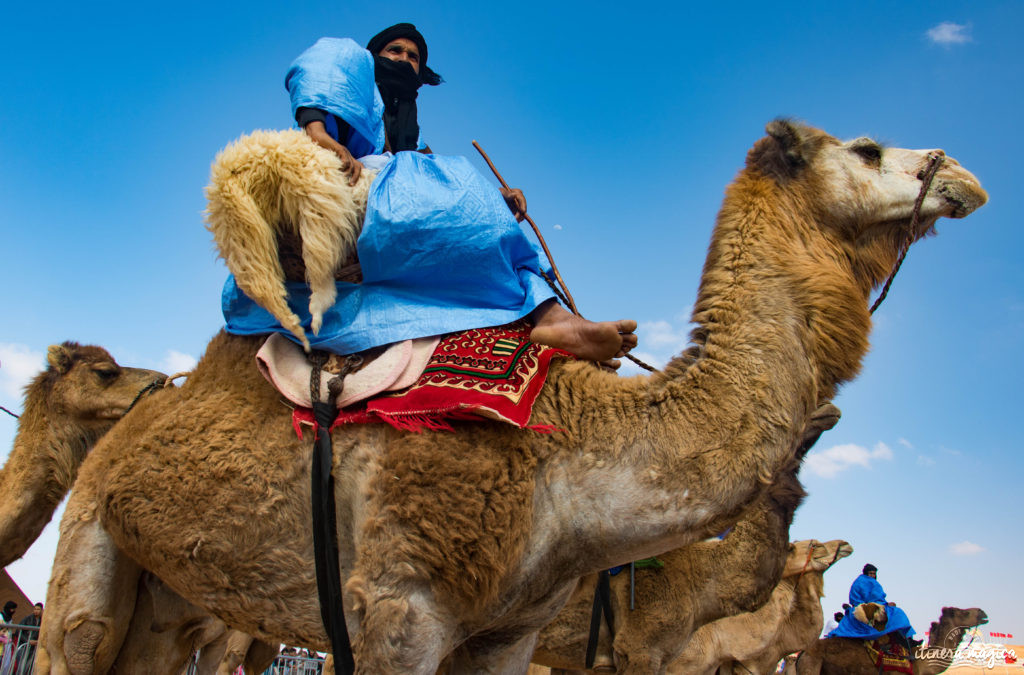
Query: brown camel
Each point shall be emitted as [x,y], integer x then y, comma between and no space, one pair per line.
[754,642]
[460,547]
[78,397]
[698,584]
[68,407]
[847,655]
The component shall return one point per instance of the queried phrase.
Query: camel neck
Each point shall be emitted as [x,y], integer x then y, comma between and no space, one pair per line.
[41,467]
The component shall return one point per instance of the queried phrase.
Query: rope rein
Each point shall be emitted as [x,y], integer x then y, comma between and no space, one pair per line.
[926,182]
[15,416]
[559,288]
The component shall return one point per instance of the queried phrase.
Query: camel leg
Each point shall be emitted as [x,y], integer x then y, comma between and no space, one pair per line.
[400,632]
[234,652]
[90,600]
[485,656]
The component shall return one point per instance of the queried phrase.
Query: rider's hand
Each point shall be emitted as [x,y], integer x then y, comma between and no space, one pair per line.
[349,164]
[516,202]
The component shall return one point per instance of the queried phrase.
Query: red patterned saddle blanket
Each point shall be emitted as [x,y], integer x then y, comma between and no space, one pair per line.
[891,657]
[485,373]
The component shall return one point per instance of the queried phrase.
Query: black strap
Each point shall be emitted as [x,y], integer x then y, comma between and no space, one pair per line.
[602,602]
[325,541]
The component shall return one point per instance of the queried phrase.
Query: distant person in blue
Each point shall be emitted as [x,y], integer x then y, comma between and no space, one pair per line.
[441,249]
[866,588]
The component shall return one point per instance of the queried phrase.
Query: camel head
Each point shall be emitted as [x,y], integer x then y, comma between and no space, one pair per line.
[811,555]
[871,614]
[861,192]
[962,618]
[86,388]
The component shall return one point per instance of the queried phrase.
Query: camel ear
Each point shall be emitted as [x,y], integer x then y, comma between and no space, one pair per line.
[59,358]
[788,148]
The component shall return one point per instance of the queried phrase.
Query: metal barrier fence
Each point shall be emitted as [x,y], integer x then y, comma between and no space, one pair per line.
[284,664]
[17,648]
[18,654]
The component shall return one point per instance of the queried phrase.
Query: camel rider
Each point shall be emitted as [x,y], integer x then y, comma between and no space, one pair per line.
[866,588]
[440,251]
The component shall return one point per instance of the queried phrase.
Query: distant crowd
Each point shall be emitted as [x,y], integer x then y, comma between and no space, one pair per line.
[18,639]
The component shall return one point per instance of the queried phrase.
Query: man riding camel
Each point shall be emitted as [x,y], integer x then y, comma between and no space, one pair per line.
[865,588]
[442,256]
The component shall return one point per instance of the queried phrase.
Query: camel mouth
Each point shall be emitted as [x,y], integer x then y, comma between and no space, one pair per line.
[963,196]
[983,619]
[110,413]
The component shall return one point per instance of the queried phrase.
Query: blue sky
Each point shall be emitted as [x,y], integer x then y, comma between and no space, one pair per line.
[623,128]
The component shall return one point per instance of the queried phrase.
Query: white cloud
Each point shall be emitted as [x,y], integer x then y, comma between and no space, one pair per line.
[177,362]
[558,227]
[924,460]
[830,463]
[906,444]
[966,548]
[949,33]
[18,365]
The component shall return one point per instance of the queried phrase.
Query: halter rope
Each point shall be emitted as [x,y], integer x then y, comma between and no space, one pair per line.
[926,181]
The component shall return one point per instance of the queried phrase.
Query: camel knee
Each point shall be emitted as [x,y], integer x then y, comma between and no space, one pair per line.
[81,647]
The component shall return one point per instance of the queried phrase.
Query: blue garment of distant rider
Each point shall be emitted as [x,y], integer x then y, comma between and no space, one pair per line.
[867,589]
[440,250]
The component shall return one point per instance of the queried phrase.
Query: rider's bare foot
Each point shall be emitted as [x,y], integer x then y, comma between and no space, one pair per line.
[589,340]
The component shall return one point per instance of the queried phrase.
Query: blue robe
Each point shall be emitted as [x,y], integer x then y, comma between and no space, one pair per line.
[439,250]
[867,589]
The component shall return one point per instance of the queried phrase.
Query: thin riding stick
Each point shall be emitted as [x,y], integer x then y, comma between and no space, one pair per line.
[536,231]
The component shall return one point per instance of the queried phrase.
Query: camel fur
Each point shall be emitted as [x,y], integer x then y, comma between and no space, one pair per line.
[67,408]
[273,184]
[790,620]
[698,584]
[840,655]
[459,548]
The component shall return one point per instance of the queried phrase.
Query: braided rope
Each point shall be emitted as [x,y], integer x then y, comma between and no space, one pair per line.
[926,182]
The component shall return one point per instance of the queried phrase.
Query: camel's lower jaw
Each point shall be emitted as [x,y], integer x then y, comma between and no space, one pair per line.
[963,198]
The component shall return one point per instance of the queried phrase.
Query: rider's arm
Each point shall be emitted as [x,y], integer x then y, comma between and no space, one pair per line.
[313,121]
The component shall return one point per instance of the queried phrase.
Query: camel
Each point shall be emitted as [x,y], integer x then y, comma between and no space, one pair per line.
[847,655]
[756,641]
[68,407]
[460,547]
[269,189]
[80,395]
[698,584]
[166,630]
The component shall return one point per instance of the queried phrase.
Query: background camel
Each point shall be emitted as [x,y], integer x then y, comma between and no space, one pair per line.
[68,407]
[166,630]
[466,544]
[699,583]
[757,640]
[80,395]
[847,655]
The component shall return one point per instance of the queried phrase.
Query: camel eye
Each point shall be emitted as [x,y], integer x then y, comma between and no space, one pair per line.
[869,152]
[106,374]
